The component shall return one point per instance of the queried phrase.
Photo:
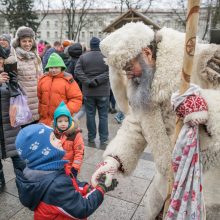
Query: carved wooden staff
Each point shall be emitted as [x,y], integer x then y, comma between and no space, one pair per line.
[190,44]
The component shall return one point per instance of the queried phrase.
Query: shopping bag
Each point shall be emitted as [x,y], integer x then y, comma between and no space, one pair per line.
[19,111]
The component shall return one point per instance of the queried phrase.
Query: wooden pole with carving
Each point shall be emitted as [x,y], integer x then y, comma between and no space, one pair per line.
[189,50]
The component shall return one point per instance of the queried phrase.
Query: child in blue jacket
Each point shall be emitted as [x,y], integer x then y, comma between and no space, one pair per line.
[44,187]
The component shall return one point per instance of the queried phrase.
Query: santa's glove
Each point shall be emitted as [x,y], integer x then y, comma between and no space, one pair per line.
[101,183]
[108,167]
[194,110]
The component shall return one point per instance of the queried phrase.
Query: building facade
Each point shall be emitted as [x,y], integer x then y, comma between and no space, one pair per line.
[55,26]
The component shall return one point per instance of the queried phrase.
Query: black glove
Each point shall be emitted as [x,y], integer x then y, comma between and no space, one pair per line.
[93,83]
[13,84]
[74,172]
[101,183]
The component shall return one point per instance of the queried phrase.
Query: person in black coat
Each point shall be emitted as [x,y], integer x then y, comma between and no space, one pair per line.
[93,73]
[8,88]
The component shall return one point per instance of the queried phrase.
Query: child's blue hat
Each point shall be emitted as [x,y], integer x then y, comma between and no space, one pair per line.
[33,145]
[62,110]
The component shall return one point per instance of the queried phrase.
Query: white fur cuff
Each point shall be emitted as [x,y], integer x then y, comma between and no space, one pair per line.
[196,115]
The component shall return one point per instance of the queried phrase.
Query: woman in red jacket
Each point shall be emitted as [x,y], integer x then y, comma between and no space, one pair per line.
[57,86]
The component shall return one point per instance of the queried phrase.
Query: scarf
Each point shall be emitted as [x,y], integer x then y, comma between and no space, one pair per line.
[187,201]
[25,54]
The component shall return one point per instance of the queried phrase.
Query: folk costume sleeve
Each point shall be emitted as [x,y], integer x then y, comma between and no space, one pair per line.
[155,133]
[128,144]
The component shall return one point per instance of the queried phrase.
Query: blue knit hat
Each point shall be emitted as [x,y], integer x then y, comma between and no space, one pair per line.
[33,145]
[94,43]
[62,110]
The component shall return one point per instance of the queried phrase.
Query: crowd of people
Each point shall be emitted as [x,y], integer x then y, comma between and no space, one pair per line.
[63,82]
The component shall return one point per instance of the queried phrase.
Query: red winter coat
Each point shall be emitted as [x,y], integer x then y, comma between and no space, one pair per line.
[72,143]
[54,89]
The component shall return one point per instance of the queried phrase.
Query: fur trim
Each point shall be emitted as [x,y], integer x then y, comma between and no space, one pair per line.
[203,75]
[118,82]
[196,115]
[128,144]
[126,43]
[10,60]
[24,32]
[168,64]
[210,142]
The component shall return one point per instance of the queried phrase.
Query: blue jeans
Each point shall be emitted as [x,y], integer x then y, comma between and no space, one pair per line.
[101,103]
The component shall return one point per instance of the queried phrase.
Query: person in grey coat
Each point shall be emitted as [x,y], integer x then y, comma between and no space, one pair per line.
[93,73]
[7,89]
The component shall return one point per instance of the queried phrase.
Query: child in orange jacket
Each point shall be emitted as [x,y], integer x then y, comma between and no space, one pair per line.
[68,132]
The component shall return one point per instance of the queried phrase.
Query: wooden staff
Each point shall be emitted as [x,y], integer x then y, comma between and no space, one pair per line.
[189,50]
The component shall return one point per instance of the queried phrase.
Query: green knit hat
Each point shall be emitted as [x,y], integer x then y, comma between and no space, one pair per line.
[55,61]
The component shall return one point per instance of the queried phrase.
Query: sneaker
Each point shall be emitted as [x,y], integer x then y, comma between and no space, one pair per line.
[118,119]
[104,143]
[91,141]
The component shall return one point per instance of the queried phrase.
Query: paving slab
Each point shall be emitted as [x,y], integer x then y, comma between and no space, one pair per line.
[86,172]
[11,188]
[23,214]
[8,170]
[130,188]
[89,152]
[145,169]
[96,158]
[10,205]
[139,214]
[114,209]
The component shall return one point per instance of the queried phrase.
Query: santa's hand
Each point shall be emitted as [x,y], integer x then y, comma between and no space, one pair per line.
[108,168]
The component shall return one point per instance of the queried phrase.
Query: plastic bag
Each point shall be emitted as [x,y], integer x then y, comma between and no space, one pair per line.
[19,111]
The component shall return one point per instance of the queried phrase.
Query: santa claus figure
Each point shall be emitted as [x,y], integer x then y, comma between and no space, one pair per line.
[145,70]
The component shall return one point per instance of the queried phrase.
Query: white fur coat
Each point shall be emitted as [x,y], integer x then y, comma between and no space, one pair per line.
[156,126]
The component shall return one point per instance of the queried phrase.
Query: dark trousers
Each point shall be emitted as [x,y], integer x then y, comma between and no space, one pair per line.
[112,101]
[101,104]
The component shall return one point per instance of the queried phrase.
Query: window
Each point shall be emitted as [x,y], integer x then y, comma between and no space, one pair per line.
[39,34]
[56,34]
[91,23]
[83,34]
[67,34]
[56,23]
[48,34]
[100,35]
[48,23]
[100,23]
[91,34]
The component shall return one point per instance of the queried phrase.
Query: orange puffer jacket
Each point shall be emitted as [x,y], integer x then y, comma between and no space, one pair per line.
[72,143]
[54,89]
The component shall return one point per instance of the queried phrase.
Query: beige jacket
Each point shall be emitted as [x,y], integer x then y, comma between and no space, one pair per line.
[29,69]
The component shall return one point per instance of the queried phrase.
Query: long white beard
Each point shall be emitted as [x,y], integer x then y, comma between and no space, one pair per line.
[139,91]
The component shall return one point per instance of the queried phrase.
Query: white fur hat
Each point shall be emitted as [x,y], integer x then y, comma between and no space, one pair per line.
[126,43]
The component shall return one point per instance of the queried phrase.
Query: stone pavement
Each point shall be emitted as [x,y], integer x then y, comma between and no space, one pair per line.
[125,203]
